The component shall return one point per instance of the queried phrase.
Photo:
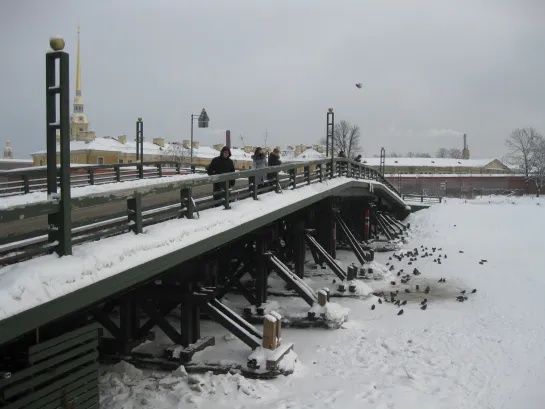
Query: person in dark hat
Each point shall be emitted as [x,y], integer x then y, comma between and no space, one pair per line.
[219,165]
[274,160]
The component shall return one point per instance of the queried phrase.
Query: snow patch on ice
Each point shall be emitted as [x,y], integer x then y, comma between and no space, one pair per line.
[164,391]
[334,313]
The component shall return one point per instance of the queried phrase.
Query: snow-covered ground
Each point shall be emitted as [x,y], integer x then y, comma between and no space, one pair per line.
[483,353]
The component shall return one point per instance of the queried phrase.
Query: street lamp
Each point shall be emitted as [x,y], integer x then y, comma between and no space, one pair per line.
[202,123]
[329,133]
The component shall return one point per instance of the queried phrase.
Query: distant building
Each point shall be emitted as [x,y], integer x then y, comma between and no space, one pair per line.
[8,161]
[109,151]
[8,152]
[430,166]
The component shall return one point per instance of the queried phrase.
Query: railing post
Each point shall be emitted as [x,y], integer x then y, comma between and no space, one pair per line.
[307,174]
[227,199]
[60,224]
[134,210]
[277,188]
[329,169]
[117,173]
[160,170]
[26,184]
[91,173]
[253,187]
[186,196]
[293,181]
[320,172]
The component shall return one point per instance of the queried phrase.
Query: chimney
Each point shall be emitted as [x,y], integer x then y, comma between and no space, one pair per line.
[465,151]
[159,141]
[228,138]
[122,139]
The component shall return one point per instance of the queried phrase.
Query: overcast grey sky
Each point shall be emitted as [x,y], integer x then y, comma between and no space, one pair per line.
[431,69]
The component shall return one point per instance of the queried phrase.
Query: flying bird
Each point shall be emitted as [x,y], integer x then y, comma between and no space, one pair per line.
[359,85]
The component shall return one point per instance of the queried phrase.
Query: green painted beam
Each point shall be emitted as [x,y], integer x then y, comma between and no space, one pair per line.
[27,211]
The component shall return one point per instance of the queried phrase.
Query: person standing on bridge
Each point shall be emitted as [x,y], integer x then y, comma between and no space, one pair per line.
[260,162]
[219,165]
[274,160]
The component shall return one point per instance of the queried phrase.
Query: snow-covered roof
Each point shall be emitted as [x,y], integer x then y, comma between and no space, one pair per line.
[310,154]
[5,160]
[430,162]
[108,144]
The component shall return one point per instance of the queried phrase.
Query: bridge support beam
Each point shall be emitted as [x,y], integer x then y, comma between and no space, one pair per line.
[261,273]
[299,250]
[326,227]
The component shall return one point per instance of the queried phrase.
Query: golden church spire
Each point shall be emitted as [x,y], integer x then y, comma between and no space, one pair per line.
[78,72]
[78,100]
[78,120]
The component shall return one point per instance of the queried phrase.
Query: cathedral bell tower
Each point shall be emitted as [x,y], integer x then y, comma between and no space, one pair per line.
[78,120]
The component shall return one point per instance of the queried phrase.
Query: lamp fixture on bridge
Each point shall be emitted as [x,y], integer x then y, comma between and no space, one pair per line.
[203,121]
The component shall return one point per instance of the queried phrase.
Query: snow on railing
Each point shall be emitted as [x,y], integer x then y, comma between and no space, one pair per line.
[165,199]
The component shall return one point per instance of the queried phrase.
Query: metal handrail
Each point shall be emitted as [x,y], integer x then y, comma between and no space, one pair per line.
[281,177]
[34,179]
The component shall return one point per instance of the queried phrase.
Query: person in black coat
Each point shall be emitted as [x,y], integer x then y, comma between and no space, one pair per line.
[274,160]
[219,165]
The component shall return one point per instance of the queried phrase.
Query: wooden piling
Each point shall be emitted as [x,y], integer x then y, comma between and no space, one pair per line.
[269,332]
[322,298]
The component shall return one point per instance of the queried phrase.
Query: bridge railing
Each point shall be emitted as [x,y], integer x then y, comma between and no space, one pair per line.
[33,231]
[423,199]
[27,180]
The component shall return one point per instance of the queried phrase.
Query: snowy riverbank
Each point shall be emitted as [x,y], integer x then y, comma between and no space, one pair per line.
[483,353]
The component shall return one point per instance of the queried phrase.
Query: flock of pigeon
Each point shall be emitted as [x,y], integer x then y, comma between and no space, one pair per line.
[405,278]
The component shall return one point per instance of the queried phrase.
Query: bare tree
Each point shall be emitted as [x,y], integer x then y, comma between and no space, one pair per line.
[522,145]
[537,165]
[177,152]
[346,138]
[455,153]
[442,153]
